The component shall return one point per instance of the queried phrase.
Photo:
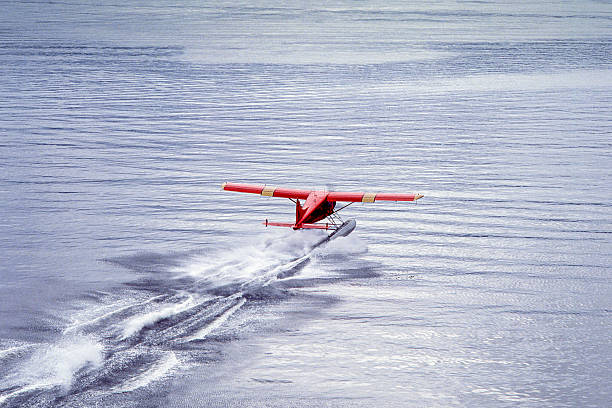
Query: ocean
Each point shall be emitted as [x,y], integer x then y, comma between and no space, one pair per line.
[128,278]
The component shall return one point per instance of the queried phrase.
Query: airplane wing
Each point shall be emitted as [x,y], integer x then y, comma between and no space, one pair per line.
[371,197]
[266,190]
[303,194]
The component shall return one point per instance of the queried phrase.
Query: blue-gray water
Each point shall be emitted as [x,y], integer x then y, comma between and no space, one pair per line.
[127,278]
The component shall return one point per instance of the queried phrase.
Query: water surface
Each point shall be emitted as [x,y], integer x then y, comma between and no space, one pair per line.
[129,279]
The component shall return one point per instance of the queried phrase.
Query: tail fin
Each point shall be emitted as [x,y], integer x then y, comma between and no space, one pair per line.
[299,211]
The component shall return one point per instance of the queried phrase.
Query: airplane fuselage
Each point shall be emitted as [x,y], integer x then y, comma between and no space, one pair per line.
[315,208]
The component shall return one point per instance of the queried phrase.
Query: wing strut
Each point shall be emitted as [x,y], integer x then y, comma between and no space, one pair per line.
[335,218]
[342,208]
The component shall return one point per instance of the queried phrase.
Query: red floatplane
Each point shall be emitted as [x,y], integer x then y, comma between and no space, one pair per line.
[318,205]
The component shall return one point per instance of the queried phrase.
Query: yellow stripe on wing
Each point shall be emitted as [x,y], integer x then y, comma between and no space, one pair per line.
[368,198]
[268,191]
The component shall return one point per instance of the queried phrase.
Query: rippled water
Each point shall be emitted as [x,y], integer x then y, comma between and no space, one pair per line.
[129,279]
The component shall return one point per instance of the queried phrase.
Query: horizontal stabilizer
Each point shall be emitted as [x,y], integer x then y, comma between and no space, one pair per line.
[290,225]
[277,224]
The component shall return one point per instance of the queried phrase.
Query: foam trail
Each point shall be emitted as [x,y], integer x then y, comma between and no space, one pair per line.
[13,350]
[75,326]
[248,263]
[155,373]
[55,365]
[26,389]
[202,333]
[137,323]
[58,363]
[276,273]
[58,366]
[280,271]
